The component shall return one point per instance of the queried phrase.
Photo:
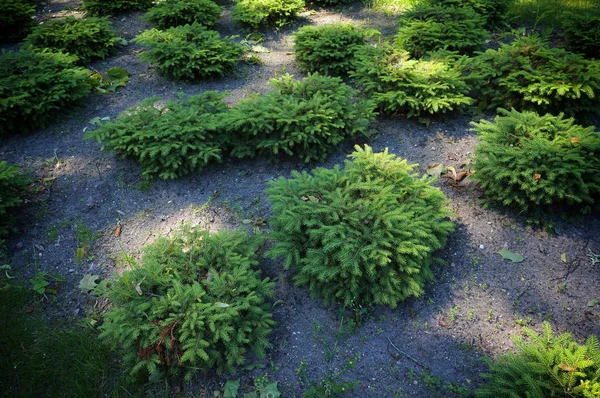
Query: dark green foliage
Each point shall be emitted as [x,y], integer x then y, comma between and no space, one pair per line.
[546,366]
[115,7]
[329,49]
[332,2]
[189,52]
[169,13]
[582,32]
[432,28]
[12,189]
[16,19]
[527,74]
[170,142]
[195,301]
[362,235]
[530,162]
[88,39]
[34,86]
[494,11]
[409,87]
[306,118]
[259,13]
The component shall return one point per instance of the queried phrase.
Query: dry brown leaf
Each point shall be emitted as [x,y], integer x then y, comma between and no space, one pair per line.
[536,177]
[453,170]
[575,140]
[567,368]
[118,230]
[28,310]
[461,176]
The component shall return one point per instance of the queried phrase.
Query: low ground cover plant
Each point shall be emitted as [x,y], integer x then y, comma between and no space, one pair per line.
[531,162]
[87,38]
[546,366]
[582,32]
[362,235]
[114,7]
[259,13]
[169,13]
[306,118]
[329,49]
[189,52]
[34,86]
[13,187]
[194,302]
[494,11]
[16,19]
[409,87]
[171,141]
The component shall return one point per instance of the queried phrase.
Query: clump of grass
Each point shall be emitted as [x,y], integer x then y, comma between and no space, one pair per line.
[391,7]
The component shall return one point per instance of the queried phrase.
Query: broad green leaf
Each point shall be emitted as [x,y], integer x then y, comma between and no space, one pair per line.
[563,257]
[592,303]
[221,305]
[231,388]
[508,255]
[88,283]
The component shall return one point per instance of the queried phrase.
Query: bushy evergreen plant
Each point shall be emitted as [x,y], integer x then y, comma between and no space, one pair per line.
[194,303]
[88,38]
[409,87]
[259,13]
[531,162]
[361,235]
[582,32]
[169,13]
[179,138]
[494,11]
[35,85]
[189,52]
[432,28]
[306,118]
[115,7]
[329,49]
[546,366]
[16,19]
[12,190]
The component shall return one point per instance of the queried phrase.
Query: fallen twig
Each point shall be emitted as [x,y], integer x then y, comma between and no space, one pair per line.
[408,356]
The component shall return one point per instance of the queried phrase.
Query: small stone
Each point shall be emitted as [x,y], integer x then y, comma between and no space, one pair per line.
[481,247]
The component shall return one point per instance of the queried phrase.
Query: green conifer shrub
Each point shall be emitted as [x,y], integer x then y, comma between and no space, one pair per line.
[35,85]
[16,19]
[362,235]
[88,38]
[180,138]
[546,366]
[115,7]
[531,162]
[329,49]
[189,52]
[494,11]
[12,189]
[169,13]
[332,2]
[432,28]
[259,13]
[582,32]
[194,303]
[306,118]
[409,87]
[528,75]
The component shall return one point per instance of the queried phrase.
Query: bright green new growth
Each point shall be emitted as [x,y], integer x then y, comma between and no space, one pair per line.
[547,366]
[306,118]
[115,7]
[362,235]
[169,13]
[16,19]
[12,190]
[170,142]
[531,162]
[88,39]
[582,32]
[329,49]
[189,52]
[259,13]
[413,88]
[34,86]
[494,11]
[431,28]
[194,303]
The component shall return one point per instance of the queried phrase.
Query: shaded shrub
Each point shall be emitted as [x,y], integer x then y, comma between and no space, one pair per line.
[12,189]
[527,74]
[362,235]
[546,366]
[115,7]
[34,86]
[413,88]
[329,49]
[258,13]
[494,11]
[431,28]
[582,32]
[189,52]
[193,303]
[88,39]
[530,162]
[169,13]
[306,118]
[170,142]
[16,19]
[332,2]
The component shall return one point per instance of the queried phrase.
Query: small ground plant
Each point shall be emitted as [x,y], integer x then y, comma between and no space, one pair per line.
[494,11]
[546,366]
[306,118]
[88,39]
[12,190]
[259,13]
[363,235]
[170,142]
[16,19]
[531,162]
[329,49]
[169,13]
[193,303]
[582,32]
[189,52]
[115,7]
[35,85]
